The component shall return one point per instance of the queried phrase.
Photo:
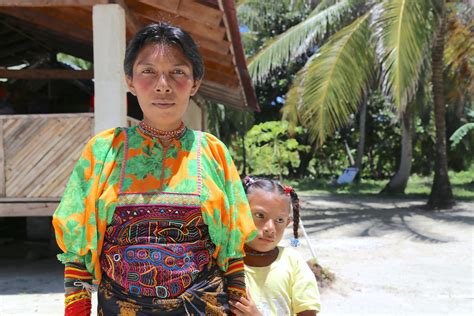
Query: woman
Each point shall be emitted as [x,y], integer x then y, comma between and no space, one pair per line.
[155,214]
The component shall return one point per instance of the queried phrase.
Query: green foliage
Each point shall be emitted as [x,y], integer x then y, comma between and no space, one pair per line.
[226,123]
[296,40]
[418,186]
[405,33]
[269,150]
[265,19]
[361,48]
[74,61]
[329,92]
[460,133]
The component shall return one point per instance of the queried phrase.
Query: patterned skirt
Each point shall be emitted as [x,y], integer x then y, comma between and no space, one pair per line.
[205,297]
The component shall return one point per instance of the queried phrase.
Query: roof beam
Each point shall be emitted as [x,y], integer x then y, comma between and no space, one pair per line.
[189,9]
[50,3]
[46,74]
[51,23]
[217,46]
[196,25]
[133,24]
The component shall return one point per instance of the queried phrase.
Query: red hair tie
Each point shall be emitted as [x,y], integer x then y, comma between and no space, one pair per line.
[287,189]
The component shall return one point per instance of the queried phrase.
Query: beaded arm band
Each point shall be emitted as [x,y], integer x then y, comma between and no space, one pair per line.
[78,287]
[235,279]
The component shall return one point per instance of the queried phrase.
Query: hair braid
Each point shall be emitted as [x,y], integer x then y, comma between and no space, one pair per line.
[295,202]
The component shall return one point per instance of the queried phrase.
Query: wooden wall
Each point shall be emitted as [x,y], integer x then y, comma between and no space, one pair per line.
[40,151]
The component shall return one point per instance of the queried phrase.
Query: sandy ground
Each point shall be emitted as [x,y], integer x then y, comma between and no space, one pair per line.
[390,257]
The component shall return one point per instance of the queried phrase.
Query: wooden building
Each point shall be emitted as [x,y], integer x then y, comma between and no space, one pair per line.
[38,151]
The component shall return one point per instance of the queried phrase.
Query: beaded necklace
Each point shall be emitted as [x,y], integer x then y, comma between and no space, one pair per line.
[164,136]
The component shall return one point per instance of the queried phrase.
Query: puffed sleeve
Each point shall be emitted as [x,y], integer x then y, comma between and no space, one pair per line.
[80,219]
[225,206]
[305,292]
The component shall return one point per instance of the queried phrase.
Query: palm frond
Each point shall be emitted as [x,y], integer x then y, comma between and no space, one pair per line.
[459,134]
[250,12]
[278,51]
[322,5]
[405,28]
[459,58]
[290,110]
[334,81]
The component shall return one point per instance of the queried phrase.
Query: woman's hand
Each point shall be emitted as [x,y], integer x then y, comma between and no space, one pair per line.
[244,307]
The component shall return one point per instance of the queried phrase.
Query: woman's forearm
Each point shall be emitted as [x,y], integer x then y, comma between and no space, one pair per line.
[77,288]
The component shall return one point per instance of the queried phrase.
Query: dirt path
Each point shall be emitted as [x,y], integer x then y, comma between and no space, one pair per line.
[390,257]
[393,257]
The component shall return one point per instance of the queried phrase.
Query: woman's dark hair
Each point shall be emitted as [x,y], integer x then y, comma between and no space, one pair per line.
[252,184]
[166,34]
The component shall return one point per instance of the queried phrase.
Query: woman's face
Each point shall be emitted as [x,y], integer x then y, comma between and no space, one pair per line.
[271,215]
[163,83]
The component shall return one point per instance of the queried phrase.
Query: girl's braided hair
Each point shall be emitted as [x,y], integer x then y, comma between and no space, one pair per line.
[268,185]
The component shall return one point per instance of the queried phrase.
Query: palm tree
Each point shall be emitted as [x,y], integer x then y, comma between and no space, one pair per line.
[395,34]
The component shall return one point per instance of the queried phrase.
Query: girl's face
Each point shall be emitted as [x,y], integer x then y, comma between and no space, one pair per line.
[271,215]
[163,83]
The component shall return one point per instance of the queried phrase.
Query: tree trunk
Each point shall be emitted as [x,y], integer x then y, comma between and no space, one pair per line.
[361,145]
[305,159]
[398,183]
[441,196]
[244,156]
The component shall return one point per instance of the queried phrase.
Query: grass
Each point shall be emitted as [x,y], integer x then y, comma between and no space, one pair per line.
[462,184]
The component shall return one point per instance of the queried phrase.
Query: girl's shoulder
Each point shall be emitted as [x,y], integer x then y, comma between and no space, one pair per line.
[290,255]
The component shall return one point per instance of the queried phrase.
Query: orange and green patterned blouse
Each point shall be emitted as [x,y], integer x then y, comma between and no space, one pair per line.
[91,196]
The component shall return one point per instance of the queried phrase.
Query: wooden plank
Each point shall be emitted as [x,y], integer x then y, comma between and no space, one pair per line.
[18,138]
[223,95]
[34,149]
[50,3]
[32,117]
[194,26]
[61,27]
[46,74]
[133,24]
[2,162]
[225,69]
[56,164]
[28,200]
[189,9]
[220,47]
[41,150]
[18,173]
[69,17]
[69,156]
[212,44]
[195,10]
[169,5]
[223,59]
[27,209]
[221,78]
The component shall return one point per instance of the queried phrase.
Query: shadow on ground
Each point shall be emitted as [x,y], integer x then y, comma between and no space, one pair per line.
[375,217]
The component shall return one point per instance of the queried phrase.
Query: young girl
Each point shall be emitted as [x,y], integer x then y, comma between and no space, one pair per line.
[278,280]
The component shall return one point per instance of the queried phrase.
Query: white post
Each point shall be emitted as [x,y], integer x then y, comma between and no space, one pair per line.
[110,104]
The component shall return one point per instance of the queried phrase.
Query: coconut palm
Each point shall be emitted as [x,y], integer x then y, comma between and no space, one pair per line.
[398,35]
